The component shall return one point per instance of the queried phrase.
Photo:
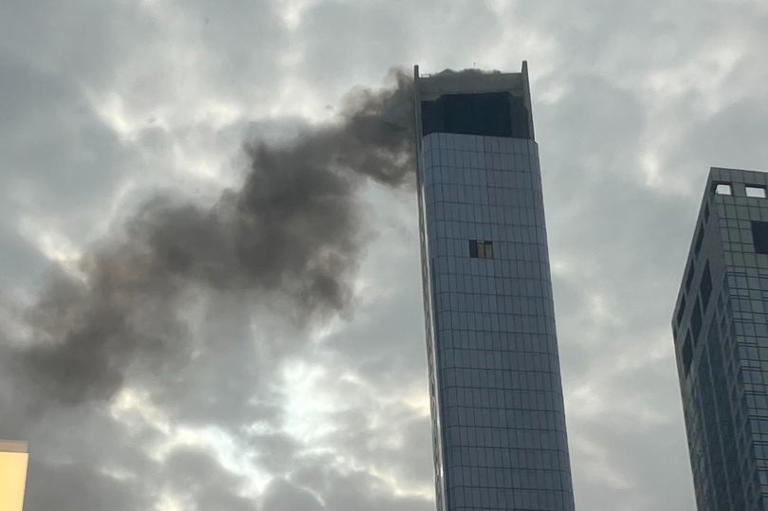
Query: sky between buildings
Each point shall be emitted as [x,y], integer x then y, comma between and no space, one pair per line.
[106,104]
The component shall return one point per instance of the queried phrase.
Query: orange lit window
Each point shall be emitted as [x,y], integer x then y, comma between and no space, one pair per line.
[480,249]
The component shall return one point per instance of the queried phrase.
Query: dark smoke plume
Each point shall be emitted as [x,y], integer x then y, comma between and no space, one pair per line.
[293,230]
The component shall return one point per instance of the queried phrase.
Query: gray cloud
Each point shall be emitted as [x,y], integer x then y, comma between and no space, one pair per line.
[79,486]
[293,227]
[98,97]
[348,490]
[610,278]
[281,495]
[197,479]
[292,235]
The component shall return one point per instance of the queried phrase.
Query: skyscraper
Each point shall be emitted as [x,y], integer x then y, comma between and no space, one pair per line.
[499,434]
[721,343]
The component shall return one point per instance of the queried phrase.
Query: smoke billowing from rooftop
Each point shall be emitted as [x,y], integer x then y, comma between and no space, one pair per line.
[292,232]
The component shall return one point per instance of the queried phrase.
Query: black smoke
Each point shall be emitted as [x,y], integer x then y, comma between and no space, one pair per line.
[291,234]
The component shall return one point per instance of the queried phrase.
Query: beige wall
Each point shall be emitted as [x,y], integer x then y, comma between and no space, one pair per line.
[13,474]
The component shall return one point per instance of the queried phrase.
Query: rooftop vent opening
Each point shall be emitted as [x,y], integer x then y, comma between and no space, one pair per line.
[723,189]
[755,191]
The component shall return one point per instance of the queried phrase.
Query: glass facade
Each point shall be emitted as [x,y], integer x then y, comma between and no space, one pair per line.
[499,432]
[720,329]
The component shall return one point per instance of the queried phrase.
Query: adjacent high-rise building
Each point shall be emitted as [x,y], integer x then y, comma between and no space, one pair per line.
[499,433]
[13,474]
[720,327]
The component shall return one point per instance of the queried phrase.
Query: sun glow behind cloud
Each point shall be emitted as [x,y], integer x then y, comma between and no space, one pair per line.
[135,409]
[308,403]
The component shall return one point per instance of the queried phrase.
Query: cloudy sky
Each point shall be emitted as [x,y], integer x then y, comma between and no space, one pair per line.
[146,377]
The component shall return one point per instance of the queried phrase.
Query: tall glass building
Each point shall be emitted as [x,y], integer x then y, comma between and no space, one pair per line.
[497,405]
[720,327]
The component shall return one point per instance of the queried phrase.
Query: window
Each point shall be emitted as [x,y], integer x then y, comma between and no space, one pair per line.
[689,276]
[723,189]
[687,353]
[696,322]
[699,239]
[681,310]
[480,249]
[755,191]
[705,286]
[760,236]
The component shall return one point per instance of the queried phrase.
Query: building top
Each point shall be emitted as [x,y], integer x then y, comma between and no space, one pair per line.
[475,102]
[723,184]
[471,81]
[13,446]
